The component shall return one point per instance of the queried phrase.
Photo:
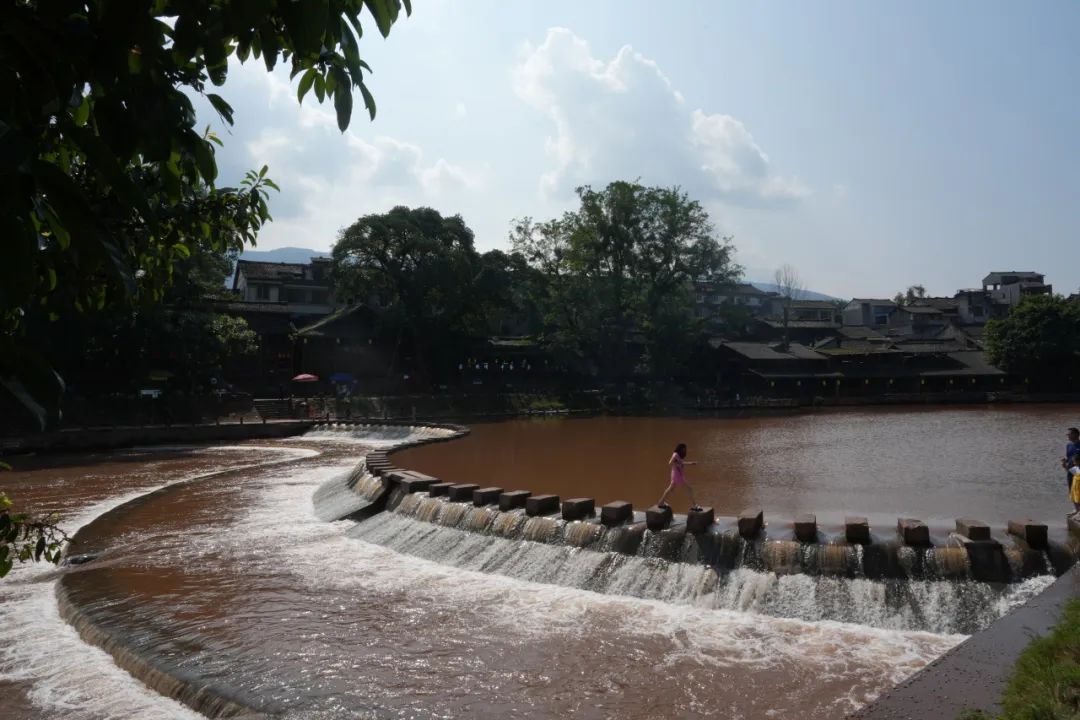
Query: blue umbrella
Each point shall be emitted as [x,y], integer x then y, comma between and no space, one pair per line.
[342,378]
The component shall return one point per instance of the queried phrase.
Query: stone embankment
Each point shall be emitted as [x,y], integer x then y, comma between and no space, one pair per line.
[907,550]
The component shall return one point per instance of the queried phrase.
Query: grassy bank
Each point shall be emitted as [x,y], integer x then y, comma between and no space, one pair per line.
[1045,684]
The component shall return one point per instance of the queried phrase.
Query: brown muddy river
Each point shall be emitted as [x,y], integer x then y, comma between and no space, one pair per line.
[232,582]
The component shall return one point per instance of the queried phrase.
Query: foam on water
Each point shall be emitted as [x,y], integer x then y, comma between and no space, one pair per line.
[67,677]
[475,571]
[377,436]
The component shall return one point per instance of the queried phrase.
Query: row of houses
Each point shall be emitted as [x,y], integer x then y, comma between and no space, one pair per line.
[863,345]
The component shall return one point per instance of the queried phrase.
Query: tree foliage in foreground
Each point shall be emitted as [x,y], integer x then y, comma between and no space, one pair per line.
[105,183]
[620,273]
[1039,337]
[24,538]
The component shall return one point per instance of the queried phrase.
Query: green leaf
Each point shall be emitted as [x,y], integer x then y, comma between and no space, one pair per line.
[305,84]
[385,13]
[320,87]
[343,106]
[369,101]
[82,112]
[223,108]
[182,250]
[204,157]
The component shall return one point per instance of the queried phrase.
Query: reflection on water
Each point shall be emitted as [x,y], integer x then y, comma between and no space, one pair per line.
[234,581]
[936,464]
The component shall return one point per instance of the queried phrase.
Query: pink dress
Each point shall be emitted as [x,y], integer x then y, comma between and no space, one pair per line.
[677,478]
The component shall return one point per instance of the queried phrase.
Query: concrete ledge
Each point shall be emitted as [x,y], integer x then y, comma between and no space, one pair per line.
[658,518]
[439,489]
[913,532]
[857,530]
[973,529]
[486,496]
[972,675]
[616,513]
[541,505]
[806,528]
[1034,534]
[578,508]
[751,521]
[513,499]
[462,492]
[698,521]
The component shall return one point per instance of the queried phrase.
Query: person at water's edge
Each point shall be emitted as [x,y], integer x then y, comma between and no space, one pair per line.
[678,478]
[1072,448]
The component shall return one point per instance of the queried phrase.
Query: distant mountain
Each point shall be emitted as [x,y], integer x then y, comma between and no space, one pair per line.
[803,295]
[283,255]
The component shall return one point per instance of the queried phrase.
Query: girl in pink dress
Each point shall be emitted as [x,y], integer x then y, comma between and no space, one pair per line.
[678,479]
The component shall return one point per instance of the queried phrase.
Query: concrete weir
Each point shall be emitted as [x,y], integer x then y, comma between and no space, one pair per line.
[907,549]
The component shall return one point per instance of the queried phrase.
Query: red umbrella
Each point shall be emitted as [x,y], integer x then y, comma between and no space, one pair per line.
[306,377]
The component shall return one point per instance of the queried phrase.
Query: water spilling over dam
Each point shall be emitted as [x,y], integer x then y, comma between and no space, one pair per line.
[312,589]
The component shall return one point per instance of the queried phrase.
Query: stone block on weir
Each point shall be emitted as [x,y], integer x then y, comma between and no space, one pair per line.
[972,529]
[462,492]
[856,530]
[698,521]
[913,532]
[1031,532]
[541,505]
[616,513]
[439,489]
[751,521]
[806,528]
[486,496]
[513,499]
[658,518]
[578,508]
[413,483]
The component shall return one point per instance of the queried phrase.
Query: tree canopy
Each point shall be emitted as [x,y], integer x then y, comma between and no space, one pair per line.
[105,182]
[1040,337]
[620,273]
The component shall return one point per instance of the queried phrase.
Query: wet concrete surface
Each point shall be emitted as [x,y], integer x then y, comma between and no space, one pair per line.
[972,676]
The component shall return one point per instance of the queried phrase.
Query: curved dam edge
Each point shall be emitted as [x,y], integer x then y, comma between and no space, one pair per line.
[202,697]
[973,675]
[207,698]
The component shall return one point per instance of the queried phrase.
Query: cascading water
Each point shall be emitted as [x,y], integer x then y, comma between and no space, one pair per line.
[941,606]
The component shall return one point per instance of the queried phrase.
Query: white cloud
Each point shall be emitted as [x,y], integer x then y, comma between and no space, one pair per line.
[327,178]
[623,119]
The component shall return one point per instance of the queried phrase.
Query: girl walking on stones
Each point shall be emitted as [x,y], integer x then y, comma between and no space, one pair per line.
[678,478]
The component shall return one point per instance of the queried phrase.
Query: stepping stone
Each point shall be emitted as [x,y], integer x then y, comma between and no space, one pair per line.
[806,528]
[698,521]
[486,496]
[972,529]
[541,505]
[658,518]
[462,492]
[913,532]
[616,513]
[857,529]
[751,522]
[513,499]
[578,508]
[1034,534]
[439,489]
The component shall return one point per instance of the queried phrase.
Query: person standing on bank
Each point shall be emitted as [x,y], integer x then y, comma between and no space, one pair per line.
[1072,448]
[678,478]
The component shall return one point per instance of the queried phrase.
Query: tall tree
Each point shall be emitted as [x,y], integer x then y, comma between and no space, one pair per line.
[790,286]
[909,296]
[621,271]
[1040,337]
[419,268]
[104,181]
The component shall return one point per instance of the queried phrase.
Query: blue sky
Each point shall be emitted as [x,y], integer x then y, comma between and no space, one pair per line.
[870,145]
